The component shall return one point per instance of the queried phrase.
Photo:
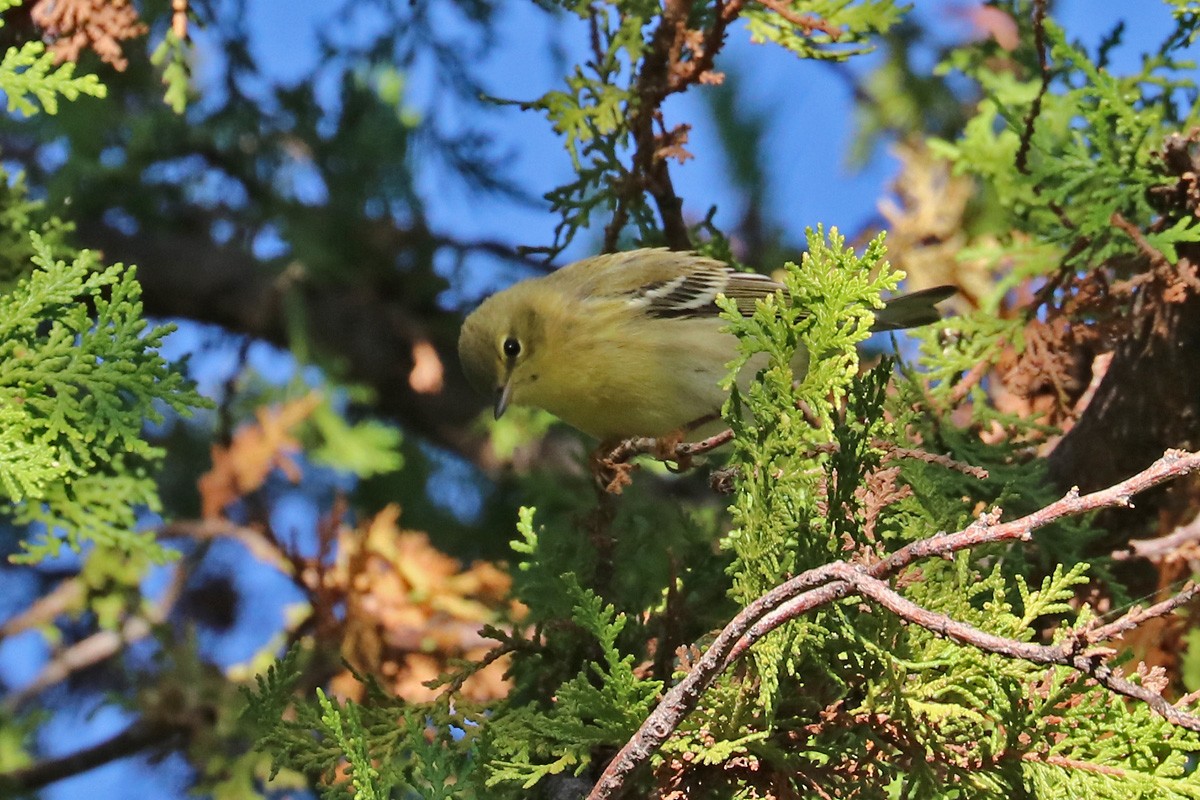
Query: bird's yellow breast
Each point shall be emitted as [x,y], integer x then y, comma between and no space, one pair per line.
[635,376]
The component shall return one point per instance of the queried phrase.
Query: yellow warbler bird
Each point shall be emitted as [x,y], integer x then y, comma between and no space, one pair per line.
[627,344]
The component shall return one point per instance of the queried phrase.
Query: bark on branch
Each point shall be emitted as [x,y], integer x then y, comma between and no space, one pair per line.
[138,737]
[831,582]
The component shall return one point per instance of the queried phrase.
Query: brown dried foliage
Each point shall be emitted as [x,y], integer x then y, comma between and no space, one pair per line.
[99,25]
[1047,378]
[410,611]
[1181,155]
[392,605]
[255,450]
[925,225]
[1149,395]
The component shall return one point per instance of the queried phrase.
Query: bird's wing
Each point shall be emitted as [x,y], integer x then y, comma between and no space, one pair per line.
[668,284]
[692,291]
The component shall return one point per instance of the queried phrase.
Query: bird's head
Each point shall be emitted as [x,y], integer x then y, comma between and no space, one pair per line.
[501,344]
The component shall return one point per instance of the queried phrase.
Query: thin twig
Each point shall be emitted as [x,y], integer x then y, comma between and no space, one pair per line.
[257,543]
[1152,253]
[826,584]
[1137,615]
[100,646]
[649,172]
[806,22]
[682,452]
[57,601]
[1163,546]
[1073,763]
[505,646]
[892,453]
[1162,265]
[1035,109]
[968,382]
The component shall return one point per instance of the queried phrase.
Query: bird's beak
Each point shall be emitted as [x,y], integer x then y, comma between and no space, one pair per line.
[503,395]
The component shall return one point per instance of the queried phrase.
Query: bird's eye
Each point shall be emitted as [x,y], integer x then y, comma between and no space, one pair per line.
[512,348]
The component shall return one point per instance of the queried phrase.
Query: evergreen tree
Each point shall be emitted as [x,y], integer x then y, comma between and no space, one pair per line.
[912,577]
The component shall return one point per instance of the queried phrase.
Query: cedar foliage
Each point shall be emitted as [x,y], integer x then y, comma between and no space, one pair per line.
[849,702]
[1085,217]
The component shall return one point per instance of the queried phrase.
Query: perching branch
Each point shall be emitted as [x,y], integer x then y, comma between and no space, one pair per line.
[831,582]
[665,448]
[805,22]
[614,468]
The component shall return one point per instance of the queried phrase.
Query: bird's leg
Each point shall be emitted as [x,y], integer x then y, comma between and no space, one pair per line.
[666,448]
[610,462]
[676,447]
[610,469]
[610,466]
[700,422]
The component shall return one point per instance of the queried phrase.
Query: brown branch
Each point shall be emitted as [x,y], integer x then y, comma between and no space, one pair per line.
[1026,142]
[676,58]
[968,382]
[1035,109]
[1072,763]
[1073,651]
[826,584]
[806,22]
[611,467]
[664,449]
[614,470]
[1162,546]
[98,647]
[57,601]
[1152,253]
[891,453]
[1173,464]
[1070,652]
[257,543]
[679,701]
[453,685]
[650,172]
[137,737]
[179,18]
[1137,615]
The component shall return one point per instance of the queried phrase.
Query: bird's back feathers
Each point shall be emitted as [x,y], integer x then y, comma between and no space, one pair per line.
[669,284]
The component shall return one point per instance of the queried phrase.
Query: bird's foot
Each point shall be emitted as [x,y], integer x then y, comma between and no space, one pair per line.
[610,467]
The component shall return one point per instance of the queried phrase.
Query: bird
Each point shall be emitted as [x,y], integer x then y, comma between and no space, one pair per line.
[628,344]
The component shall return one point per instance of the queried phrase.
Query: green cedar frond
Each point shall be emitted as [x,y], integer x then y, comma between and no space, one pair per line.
[856,25]
[31,70]
[80,374]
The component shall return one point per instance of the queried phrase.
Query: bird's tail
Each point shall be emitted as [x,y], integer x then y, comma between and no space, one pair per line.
[911,310]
